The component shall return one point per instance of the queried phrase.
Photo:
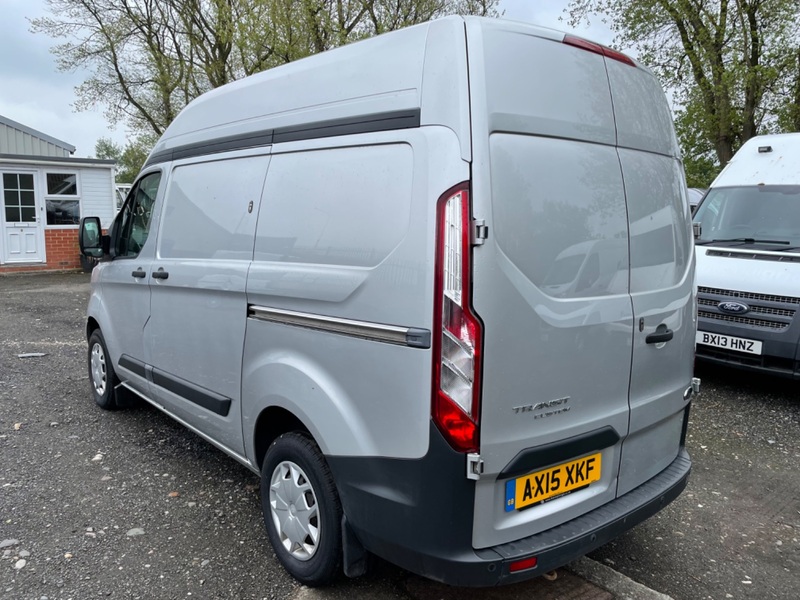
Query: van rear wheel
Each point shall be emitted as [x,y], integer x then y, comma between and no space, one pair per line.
[302,511]
[102,378]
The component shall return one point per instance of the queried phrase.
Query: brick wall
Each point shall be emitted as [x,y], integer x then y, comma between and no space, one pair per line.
[62,250]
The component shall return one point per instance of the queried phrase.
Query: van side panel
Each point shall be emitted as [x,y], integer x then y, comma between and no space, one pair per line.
[346,232]
[445,86]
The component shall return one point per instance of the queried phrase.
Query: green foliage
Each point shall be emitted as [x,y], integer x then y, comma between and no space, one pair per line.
[700,171]
[130,159]
[148,59]
[726,64]
[106,149]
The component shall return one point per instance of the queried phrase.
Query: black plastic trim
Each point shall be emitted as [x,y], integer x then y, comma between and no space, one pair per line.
[418,514]
[659,337]
[531,459]
[388,121]
[565,543]
[685,426]
[412,512]
[418,338]
[208,399]
[133,365]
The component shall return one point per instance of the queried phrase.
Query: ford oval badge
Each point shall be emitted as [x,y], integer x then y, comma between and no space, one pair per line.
[733,308]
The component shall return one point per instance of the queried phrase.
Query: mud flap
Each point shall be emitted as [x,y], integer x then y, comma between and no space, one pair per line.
[354,555]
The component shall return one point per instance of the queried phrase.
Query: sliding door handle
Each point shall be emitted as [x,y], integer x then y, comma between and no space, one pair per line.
[160,274]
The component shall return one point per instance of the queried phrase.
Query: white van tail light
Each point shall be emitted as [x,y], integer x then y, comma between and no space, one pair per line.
[456,330]
[572,40]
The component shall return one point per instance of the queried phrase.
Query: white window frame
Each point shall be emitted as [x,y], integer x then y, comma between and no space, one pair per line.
[47,196]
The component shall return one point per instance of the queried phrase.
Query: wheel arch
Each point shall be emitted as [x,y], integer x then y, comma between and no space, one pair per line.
[272,422]
[287,391]
[91,326]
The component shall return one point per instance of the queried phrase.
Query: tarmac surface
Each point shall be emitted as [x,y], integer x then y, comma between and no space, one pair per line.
[128,504]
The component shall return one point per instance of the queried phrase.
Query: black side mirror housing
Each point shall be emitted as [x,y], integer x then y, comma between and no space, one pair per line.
[91,240]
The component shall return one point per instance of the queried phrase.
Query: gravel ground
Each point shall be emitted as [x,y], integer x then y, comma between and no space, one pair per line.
[124,504]
[128,504]
[735,532]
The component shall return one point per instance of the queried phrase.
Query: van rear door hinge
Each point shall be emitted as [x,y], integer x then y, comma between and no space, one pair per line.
[480,231]
[474,466]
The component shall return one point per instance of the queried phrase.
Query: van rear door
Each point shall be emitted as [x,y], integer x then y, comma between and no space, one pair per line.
[662,267]
[550,281]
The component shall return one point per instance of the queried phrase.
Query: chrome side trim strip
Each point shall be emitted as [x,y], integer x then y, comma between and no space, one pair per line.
[378,332]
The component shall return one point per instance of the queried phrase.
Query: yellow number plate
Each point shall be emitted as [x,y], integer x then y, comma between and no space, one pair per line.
[555,481]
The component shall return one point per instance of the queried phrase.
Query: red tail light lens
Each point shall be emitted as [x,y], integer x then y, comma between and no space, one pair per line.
[572,40]
[457,331]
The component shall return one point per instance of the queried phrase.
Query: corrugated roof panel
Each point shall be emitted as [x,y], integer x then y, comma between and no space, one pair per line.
[16,138]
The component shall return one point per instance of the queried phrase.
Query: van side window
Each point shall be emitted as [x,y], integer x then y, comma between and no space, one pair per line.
[210,209]
[317,202]
[135,216]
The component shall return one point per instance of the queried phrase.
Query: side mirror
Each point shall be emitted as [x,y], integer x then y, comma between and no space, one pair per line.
[90,237]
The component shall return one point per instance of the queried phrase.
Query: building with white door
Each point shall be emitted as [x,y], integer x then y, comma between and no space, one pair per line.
[45,191]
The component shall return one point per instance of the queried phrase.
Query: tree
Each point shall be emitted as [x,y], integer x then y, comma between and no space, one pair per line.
[149,58]
[106,149]
[130,159]
[723,63]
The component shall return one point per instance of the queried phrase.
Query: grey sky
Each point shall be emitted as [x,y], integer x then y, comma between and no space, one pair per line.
[35,93]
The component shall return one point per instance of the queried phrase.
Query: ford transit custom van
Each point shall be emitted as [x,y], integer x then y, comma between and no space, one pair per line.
[344,273]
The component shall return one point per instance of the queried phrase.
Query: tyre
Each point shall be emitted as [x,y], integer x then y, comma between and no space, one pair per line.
[102,378]
[302,511]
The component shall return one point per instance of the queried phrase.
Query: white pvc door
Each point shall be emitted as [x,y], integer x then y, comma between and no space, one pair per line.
[22,229]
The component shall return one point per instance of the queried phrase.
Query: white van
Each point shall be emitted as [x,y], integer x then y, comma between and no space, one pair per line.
[337,272]
[748,259]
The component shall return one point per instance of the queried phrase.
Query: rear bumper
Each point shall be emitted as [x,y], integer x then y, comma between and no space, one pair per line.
[567,542]
[415,515]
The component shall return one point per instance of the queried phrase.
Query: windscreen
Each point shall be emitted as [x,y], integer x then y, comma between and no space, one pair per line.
[763,214]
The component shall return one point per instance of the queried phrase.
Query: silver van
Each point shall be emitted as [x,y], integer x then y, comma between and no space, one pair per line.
[340,273]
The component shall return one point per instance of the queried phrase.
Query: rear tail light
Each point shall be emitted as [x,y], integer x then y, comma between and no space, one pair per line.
[457,331]
[572,40]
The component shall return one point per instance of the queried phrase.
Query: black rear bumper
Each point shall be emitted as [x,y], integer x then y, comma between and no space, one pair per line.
[418,514]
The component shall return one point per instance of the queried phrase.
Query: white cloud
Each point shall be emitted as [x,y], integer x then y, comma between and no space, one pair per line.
[34,92]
